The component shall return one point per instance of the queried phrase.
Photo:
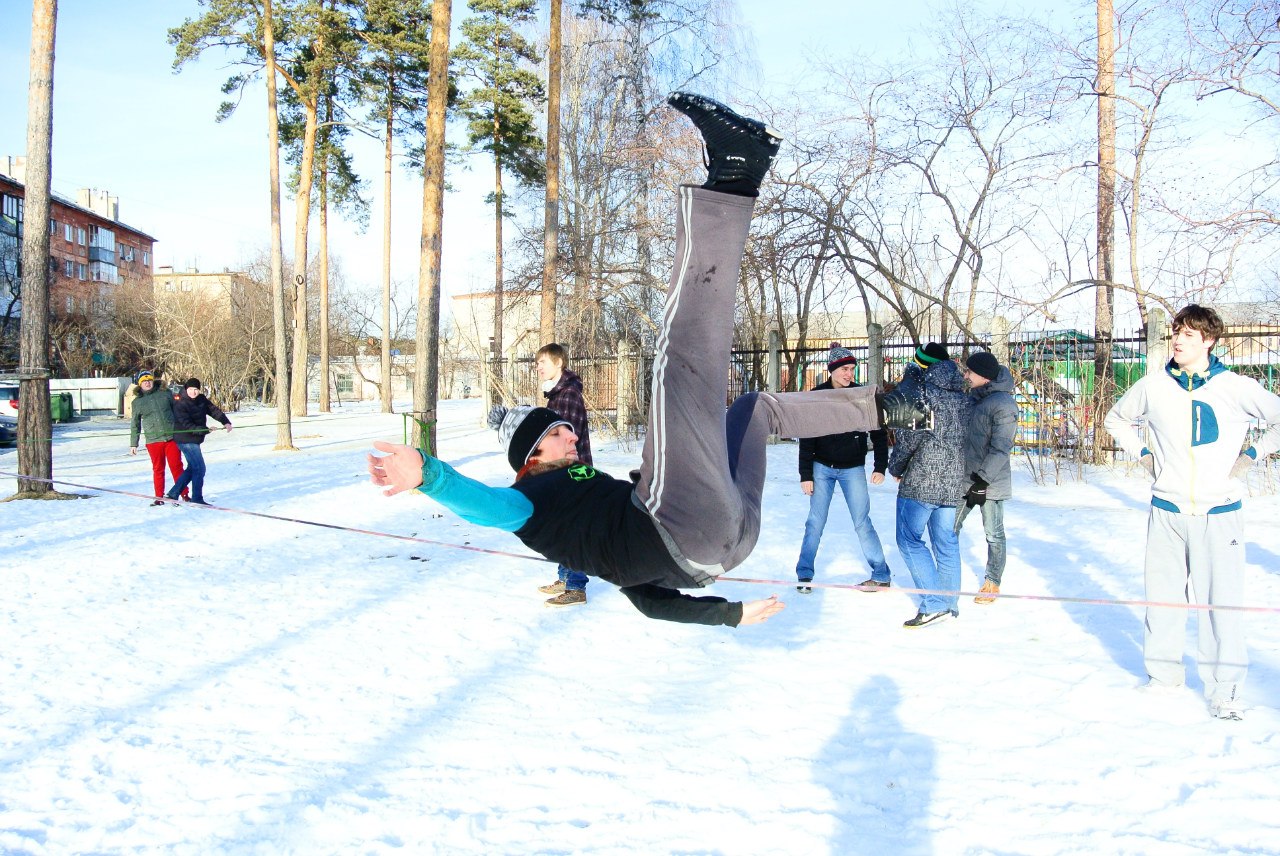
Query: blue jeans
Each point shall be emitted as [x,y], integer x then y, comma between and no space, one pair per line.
[853,483]
[573,580]
[194,473]
[938,569]
[993,528]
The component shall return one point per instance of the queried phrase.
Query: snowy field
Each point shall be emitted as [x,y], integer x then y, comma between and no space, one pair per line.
[193,681]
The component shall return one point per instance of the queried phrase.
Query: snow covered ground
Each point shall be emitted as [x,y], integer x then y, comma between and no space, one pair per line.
[192,681]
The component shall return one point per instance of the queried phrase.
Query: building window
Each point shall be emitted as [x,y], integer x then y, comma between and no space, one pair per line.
[185,285]
[69,268]
[68,232]
[80,236]
[71,304]
[103,272]
[53,227]
[82,272]
[169,286]
[12,208]
[53,265]
[343,383]
[146,259]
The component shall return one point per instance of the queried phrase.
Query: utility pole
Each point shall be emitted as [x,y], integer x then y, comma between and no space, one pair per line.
[35,441]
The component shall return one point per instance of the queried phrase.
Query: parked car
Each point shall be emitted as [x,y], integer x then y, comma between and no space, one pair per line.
[8,401]
[8,431]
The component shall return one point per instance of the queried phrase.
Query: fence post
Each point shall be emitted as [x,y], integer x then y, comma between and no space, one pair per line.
[488,367]
[875,355]
[1000,339]
[626,382]
[775,362]
[1157,340]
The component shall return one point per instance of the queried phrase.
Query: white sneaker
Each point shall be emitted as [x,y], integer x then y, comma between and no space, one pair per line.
[1158,687]
[1231,710]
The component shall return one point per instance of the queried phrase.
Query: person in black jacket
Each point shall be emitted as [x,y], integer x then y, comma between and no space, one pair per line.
[190,413]
[840,459]
[693,512]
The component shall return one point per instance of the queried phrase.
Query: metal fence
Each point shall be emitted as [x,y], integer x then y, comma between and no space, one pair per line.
[1058,398]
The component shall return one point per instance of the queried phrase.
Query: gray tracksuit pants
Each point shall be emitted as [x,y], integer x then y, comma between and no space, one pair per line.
[702,471]
[1196,559]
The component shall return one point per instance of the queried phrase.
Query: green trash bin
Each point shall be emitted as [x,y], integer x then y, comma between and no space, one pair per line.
[61,408]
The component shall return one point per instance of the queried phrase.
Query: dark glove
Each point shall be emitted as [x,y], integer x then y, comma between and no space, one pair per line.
[977,492]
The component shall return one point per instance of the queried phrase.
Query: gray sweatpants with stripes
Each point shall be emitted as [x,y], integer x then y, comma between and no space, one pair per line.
[702,471]
[1196,559]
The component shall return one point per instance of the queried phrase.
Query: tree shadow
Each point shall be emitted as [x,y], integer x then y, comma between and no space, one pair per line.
[1076,575]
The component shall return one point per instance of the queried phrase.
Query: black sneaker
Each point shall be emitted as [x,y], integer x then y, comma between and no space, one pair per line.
[804,588]
[924,619]
[739,150]
[898,410]
[873,585]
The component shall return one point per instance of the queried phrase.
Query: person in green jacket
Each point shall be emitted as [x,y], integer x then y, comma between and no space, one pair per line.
[153,416]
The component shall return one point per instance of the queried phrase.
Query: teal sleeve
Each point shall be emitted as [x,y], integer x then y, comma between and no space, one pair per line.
[502,508]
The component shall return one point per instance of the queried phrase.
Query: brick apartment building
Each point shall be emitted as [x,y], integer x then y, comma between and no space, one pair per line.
[93,260]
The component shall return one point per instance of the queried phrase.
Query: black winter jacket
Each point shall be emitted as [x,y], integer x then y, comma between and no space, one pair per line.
[617,541]
[189,417]
[843,451]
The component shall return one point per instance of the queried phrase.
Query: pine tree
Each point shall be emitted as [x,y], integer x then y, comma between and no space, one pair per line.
[495,60]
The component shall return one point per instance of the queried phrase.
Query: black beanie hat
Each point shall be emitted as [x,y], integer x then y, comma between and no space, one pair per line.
[984,363]
[192,381]
[930,354]
[521,429]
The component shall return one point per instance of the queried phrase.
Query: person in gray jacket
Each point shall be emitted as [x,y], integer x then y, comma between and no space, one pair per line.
[992,428]
[929,467]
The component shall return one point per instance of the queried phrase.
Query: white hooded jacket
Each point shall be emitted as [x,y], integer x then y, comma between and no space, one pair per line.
[1197,424]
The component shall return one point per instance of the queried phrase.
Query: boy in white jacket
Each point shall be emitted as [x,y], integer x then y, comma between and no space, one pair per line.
[1197,413]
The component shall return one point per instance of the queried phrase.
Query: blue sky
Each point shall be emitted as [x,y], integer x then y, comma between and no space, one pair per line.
[126,123]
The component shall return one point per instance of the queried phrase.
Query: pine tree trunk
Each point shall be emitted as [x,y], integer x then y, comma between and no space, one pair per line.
[1103,388]
[324,287]
[284,428]
[35,444]
[427,357]
[302,215]
[551,206]
[386,251]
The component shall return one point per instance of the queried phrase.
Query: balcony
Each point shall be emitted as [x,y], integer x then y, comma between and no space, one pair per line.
[102,254]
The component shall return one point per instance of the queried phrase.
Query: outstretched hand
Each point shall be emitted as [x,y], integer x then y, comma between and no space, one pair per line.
[759,611]
[400,469]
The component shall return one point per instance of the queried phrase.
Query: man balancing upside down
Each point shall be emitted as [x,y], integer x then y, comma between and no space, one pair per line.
[693,512]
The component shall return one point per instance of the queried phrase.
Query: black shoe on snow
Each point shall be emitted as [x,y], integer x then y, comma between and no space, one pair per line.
[804,587]
[926,619]
[739,150]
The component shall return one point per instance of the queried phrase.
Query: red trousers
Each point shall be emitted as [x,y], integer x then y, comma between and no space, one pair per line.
[160,453]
